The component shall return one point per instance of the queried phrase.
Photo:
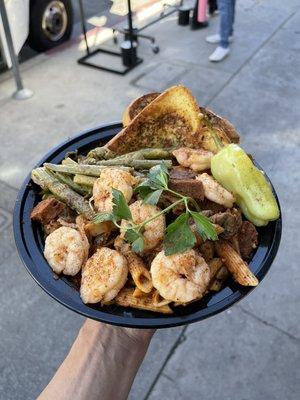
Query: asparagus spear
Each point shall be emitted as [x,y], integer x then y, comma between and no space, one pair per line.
[74,169]
[101,153]
[84,180]
[92,170]
[63,192]
[88,160]
[95,170]
[73,185]
[152,154]
[136,164]
[148,154]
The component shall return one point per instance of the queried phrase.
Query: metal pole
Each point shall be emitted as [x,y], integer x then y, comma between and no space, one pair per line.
[130,27]
[82,17]
[21,93]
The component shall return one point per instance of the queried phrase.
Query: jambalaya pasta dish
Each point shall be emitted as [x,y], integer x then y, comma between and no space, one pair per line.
[159,216]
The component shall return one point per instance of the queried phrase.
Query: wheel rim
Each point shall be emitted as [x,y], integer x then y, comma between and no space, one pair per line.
[55,20]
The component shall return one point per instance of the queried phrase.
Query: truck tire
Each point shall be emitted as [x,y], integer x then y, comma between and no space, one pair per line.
[51,23]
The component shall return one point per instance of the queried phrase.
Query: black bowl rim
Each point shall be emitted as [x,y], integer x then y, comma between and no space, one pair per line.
[133,322]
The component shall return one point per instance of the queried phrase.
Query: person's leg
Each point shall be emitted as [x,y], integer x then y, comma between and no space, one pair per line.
[232,16]
[201,15]
[212,6]
[226,12]
[199,19]
[226,8]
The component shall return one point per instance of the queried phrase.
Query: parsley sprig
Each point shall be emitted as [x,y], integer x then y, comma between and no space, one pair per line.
[179,236]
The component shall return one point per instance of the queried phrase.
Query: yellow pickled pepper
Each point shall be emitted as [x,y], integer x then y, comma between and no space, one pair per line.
[235,171]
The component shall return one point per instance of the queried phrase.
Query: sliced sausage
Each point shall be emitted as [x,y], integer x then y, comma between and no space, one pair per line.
[188,187]
[47,210]
[230,220]
[248,239]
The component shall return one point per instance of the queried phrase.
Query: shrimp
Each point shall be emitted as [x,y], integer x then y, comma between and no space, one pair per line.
[215,192]
[66,250]
[112,178]
[197,160]
[180,277]
[154,230]
[103,276]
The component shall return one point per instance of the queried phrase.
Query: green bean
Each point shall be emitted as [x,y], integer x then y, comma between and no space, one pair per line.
[63,192]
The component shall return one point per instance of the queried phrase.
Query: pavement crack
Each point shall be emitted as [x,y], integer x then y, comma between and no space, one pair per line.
[268,323]
[175,383]
[168,377]
[181,338]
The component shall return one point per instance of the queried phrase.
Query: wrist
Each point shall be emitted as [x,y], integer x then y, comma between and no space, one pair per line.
[103,336]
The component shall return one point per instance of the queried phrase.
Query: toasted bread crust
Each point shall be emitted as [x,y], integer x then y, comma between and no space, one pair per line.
[136,106]
[171,119]
[168,121]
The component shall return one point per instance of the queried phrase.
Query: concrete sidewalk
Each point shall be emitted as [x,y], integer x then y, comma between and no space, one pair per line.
[252,351]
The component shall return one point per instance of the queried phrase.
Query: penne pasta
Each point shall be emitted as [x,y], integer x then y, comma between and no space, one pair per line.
[138,293]
[222,274]
[93,230]
[216,285]
[158,300]
[125,298]
[219,279]
[235,264]
[214,266]
[235,244]
[140,274]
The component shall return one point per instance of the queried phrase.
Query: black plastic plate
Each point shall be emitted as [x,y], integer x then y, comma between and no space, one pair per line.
[29,241]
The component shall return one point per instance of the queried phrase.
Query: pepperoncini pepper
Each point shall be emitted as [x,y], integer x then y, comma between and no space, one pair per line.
[234,170]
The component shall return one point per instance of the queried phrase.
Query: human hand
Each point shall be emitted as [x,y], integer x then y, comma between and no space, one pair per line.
[102,363]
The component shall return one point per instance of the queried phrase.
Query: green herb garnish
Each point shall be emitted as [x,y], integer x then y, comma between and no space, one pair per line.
[120,207]
[179,236]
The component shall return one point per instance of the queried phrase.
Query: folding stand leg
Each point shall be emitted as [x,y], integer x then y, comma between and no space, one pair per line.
[84,60]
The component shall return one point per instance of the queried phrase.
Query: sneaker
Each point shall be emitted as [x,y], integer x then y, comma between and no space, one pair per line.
[219,54]
[214,39]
